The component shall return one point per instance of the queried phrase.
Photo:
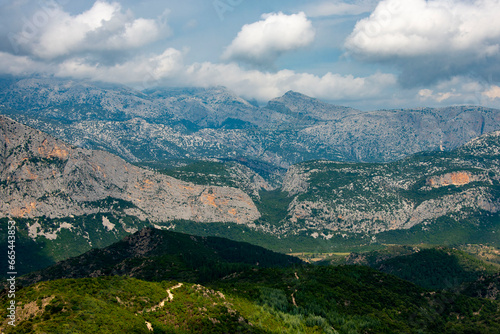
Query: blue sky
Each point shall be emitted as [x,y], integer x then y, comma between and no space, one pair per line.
[363,53]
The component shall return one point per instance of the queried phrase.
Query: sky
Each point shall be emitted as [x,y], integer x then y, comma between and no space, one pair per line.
[366,54]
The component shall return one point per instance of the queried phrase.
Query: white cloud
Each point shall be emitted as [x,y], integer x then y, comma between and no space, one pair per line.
[104,27]
[21,65]
[140,71]
[427,94]
[261,42]
[492,93]
[431,40]
[265,85]
[331,8]
[168,68]
[419,27]
[461,90]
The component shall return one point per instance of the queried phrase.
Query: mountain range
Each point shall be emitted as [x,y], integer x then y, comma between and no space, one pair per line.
[167,282]
[419,191]
[169,123]
[69,199]
[399,210]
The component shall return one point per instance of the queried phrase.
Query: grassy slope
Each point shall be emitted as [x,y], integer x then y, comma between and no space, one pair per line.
[345,299]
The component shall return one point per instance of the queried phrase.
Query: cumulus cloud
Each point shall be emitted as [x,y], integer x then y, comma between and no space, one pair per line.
[262,42]
[54,33]
[266,85]
[140,71]
[431,40]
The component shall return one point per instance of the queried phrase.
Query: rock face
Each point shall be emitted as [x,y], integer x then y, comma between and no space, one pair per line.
[215,123]
[373,198]
[43,176]
[215,172]
[455,179]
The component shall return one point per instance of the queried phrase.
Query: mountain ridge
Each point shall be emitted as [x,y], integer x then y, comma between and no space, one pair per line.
[417,190]
[182,257]
[43,176]
[199,123]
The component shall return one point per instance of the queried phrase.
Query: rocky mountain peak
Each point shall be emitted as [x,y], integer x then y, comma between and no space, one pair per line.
[214,122]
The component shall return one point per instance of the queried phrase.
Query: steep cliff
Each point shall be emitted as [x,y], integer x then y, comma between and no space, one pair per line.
[43,176]
[419,190]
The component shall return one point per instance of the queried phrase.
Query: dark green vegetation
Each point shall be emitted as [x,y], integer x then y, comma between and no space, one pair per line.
[273,206]
[81,234]
[300,242]
[158,255]
[284,298]
[358,299]
[476,227]
[431,268]
[484,287]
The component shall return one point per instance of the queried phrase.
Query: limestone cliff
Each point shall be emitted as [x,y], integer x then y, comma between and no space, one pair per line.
[419,190]
[43,176]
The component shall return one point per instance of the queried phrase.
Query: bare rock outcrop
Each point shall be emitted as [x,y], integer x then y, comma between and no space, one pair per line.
[373,198]
[43,176]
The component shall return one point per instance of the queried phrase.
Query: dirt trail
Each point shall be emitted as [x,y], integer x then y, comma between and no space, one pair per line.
[169,298]
[170,295]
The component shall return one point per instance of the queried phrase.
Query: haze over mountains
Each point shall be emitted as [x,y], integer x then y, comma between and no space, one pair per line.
[161,124]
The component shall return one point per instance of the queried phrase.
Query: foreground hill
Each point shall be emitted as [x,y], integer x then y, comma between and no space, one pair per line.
[158,255]
[201,123]
[346,299]
[150,281]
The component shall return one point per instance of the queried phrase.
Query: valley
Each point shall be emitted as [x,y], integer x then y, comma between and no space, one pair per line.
[223,286]
[135,215]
